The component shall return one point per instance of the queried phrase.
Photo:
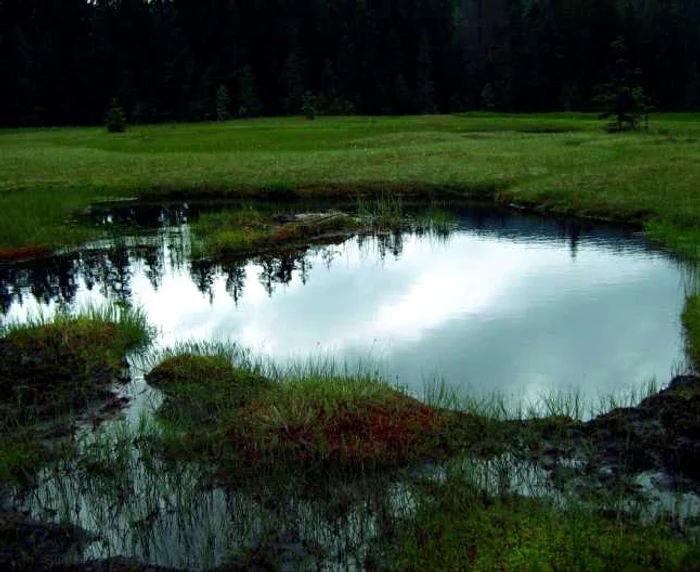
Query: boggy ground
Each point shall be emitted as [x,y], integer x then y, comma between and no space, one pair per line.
[50,371]
[257,425]
[249,424]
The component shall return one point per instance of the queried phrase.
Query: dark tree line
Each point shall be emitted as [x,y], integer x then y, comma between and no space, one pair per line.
[63,61]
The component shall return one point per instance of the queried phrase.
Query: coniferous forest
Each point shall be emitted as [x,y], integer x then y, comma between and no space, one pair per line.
[64,61]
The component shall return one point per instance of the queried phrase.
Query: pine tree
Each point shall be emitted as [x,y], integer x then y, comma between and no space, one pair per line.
[222,103]
[488,98]
[308,105]
[425,88]
[292,84]
[115,120]
[622,99]
[249,104]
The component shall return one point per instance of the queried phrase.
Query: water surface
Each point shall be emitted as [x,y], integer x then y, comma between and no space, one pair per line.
[506,302]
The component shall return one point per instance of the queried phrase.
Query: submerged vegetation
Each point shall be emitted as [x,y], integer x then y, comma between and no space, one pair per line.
[456,528]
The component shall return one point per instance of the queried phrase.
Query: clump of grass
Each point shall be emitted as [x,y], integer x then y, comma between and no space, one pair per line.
[691,325]
[235,411]
[203,389]
[387,213]
[57,362]
[247,230]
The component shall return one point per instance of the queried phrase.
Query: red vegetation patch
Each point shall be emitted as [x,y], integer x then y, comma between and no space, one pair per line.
[394,430]
[23,253]
[284,234]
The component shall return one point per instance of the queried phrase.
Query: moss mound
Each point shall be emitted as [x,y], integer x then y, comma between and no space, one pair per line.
[357,432]
[203,388]
[58,366]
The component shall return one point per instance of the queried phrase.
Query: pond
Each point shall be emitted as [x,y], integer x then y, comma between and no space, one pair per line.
[505,302]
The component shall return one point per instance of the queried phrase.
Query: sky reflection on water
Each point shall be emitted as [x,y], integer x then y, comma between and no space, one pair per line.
[506,303]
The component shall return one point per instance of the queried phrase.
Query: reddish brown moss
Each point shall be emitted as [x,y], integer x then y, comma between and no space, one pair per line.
[23,253]
[359,432]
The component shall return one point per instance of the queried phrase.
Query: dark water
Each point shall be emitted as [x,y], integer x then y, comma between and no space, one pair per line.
[504,303]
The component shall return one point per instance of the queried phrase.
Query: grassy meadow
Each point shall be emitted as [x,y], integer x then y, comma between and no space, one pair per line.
[562,162]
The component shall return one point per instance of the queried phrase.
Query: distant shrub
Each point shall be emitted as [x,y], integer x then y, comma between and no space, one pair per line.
[308,105]
[222,103]
[115,120]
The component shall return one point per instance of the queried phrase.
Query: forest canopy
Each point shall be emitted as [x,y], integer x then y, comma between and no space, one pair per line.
[64,61]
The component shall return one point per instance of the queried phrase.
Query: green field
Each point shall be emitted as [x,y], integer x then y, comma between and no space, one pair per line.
[562,162]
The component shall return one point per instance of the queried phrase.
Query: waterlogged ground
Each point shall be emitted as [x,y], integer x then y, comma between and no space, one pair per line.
[502,302]
[505,302]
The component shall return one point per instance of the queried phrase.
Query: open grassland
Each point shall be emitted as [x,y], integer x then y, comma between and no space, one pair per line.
[562,162]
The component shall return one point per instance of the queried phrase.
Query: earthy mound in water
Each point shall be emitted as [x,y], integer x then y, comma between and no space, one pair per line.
[59,365]
[390,430]
[203,388]
[661,433]
[231,413]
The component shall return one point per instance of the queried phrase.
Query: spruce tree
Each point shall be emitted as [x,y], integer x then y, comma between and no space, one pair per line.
[115,120]
[292,84]
[308,106]
[249,104]
[425,87]
[222,103]
[622,99]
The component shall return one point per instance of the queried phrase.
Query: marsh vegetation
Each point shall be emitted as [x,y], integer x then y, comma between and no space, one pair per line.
[214,456]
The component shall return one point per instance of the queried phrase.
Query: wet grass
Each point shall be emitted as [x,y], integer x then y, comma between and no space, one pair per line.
[242,414]
[55,366]
[457,527]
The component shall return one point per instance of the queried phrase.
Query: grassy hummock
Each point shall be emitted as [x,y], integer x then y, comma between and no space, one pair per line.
[251,230]
[233,413]
[53,367]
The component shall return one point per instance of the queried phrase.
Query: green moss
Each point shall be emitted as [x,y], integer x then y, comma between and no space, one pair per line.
[456,527]
[56,365]
[691,325]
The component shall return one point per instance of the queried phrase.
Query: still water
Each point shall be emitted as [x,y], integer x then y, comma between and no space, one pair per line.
[505,303]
